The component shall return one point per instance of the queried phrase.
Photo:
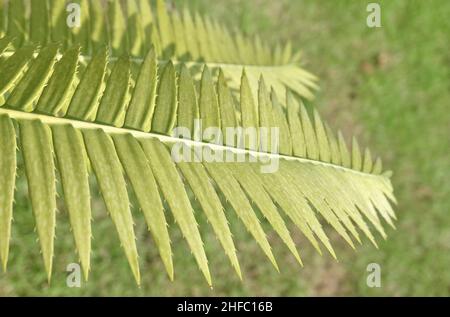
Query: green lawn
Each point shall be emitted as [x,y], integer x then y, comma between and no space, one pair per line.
[389,86]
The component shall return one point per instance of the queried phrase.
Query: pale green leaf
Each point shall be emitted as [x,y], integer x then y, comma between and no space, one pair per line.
[296,207]
[2,18]
[233,193]
[126,111]
[322,139]
[81,33]
[58,21]
[189,28]
[227,109]
[114,99]
[147,21]
[144,184]
[209,107]
[249,111]
[312,147]
[118,28]
[59,86]
[13,67]
[279,120]
[165,29]
[356,155]
[98,25]
[265,117]
[8,180]
[368,163]
[107,168]
[39,22]
[69,149]
[135,30]
[17,21]
[343,149]
[4,44]
[256,192]
[188,98]
[142,105]
[34,79]
[199,181]
[295,126]
[85,100]
[334,146]
[165,114]
[174,192]
[378,166]
[35,140]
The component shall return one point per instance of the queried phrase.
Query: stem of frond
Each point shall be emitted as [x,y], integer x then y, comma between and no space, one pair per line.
[163,138]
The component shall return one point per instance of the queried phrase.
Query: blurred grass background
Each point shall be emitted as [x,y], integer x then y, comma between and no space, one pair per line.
[389,86]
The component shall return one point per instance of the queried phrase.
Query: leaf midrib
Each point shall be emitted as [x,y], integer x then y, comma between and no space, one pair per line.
[15,114]
[140,60]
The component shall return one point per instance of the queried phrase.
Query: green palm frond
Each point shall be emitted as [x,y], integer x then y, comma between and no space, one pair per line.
[114,118]
[133,26]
